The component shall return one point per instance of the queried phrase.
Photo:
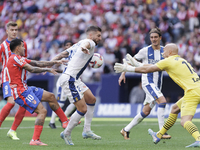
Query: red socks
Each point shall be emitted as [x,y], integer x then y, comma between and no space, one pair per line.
[18,118]
[61,114]
[5,112]
[37,132]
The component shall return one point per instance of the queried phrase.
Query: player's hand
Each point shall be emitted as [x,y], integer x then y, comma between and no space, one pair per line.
[85,50]
[51,70]
[64,61]
[122,78]
[132,61]
[118,67]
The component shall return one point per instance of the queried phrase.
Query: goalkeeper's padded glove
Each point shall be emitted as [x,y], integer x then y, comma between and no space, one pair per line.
[132,61]
[118,67]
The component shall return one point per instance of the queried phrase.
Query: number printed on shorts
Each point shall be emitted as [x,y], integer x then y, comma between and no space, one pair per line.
[30,98]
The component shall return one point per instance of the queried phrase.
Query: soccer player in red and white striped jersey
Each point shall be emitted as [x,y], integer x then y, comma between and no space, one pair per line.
[31,97]
[5,53]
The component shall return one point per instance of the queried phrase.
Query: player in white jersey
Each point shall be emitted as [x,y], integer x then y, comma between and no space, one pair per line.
[61,97]
[151,83]
[76,91]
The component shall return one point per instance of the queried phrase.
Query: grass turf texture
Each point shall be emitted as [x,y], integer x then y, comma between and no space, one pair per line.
[107,128]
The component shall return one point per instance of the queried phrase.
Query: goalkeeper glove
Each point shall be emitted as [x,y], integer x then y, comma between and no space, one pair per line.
[118,67]
[132,61]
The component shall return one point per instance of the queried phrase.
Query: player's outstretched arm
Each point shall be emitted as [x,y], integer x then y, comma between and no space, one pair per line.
[33,69]
[128,68]
[46,63]
[61,55]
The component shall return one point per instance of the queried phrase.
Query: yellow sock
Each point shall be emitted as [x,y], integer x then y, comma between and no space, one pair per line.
[192,129]
[168,124]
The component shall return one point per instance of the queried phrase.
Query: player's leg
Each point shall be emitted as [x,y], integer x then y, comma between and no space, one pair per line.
[32,103]
[154,93]
[70,108]
[161,115]
[75,118]
[188,109]
[161,111]
[51,99]
[168,124]
[17,121]
[10,102]
[61,100]
[39,122]
[90,102]
[137,119]
[75,95]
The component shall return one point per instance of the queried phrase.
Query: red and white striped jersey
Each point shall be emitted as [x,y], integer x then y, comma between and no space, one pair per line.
[5,53]
[16,74]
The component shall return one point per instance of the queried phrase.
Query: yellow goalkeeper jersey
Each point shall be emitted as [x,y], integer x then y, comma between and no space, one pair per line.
[180,71]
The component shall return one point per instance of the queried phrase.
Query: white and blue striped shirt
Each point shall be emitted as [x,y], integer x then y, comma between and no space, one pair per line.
[150,56]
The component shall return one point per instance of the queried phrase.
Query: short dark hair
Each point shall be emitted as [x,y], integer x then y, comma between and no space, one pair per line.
[156,30]
[93,28]
[67,41]
[11,23]
[14,43]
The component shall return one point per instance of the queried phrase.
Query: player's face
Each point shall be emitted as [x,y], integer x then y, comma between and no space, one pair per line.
[22,49]
[12,32]
[155,39]
[96,37]
[166,52]
[68,45]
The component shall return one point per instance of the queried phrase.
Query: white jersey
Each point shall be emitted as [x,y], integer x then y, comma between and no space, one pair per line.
[80,60]
[150,56]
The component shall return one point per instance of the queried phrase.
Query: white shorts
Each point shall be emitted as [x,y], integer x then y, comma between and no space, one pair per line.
[68,87]
[152,94]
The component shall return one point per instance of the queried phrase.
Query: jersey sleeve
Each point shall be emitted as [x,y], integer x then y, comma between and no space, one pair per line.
[163,64]
[20,61]
[140,55]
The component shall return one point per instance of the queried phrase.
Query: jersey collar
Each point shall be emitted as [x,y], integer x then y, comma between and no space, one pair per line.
[7,41]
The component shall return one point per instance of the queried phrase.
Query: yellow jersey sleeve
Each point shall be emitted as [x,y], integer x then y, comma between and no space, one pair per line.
[180,71]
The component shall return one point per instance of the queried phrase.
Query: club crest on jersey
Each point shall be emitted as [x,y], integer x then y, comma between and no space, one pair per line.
[33,101]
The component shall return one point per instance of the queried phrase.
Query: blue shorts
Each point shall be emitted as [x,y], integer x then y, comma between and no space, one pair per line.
[30,98]
[6,90]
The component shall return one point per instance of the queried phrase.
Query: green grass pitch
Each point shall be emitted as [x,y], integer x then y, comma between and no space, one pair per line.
[107,128]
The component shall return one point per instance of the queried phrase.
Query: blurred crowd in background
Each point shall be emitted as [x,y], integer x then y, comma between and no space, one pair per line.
[46,24]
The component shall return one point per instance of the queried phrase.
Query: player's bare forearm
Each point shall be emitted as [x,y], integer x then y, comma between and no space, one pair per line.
[147,69]
[36,69]
[42,63]
[61,55]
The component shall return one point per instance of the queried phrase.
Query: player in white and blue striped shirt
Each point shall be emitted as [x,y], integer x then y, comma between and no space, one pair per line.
[151,83]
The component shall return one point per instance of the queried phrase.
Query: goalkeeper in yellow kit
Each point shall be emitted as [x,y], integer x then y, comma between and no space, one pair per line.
[183,74]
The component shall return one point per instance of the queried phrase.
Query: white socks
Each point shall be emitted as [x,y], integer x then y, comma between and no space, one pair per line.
[88,117]
[161,114]
[69,109]
[75,118]
[136,120]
